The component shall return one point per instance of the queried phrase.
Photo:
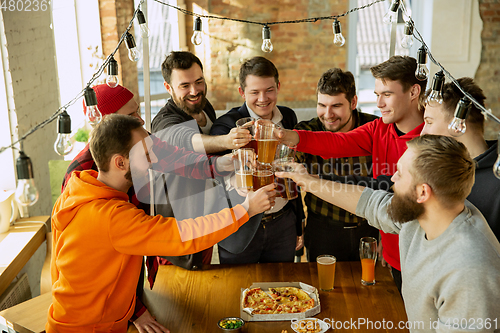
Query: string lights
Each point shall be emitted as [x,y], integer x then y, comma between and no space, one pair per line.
[196,39]
[94,116]
[92,112]
[26,192]
[142,24]
[267,46]
[63,145]
[133,52]
[435,98]
[338,38]
[392,13]
[112,78]
[422,72]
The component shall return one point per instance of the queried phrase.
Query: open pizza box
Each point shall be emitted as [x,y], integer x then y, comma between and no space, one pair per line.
[312,291]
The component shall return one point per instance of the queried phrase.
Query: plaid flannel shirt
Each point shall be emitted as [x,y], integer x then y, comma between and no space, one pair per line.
[361,165]
[171,159]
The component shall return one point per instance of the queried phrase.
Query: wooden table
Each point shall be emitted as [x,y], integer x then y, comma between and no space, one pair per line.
[193,301]
[18,244]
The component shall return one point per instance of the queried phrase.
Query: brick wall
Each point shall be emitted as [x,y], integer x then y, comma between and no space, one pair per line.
[488,73]
[115,17]
[31,63]
[302,52]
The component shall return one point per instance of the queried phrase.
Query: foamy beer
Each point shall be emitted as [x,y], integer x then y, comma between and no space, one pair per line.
[285,187]
[249,124]
[243,168]
[262,177]
[267,141]
[326,271]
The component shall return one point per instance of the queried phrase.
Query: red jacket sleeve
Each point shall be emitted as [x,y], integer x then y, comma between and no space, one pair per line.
[358,142]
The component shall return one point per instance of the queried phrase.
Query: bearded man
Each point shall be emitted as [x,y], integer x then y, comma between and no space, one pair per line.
[450,258]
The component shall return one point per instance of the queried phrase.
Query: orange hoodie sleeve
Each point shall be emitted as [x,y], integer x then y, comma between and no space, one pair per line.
[131,231]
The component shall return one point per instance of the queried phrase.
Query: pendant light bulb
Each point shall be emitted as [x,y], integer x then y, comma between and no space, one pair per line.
[197,38]
[133,52]
[112,79]
[26,192]
[92,113]
[407,40]
[422,72]
[63,145]
[338,38]
[392,13]
[142,24]
[435,98]
[267,46]
[496,166]
[457,126]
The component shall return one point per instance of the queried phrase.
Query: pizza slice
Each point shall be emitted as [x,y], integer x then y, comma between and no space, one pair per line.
[259,301]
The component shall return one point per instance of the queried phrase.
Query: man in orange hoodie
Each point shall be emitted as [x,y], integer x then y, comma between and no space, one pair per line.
[99,237]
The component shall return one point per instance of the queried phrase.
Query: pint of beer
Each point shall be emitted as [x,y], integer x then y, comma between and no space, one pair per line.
[262,178]
[368,256]
[243,168]
[249,124]
[267,141]
[285,187]
[326,271]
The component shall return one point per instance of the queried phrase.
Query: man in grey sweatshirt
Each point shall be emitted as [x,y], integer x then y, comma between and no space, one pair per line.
[450,258]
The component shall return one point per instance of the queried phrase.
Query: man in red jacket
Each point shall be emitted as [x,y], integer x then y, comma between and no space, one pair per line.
[399,98]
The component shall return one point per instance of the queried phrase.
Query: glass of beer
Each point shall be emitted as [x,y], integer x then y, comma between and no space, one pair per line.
[368,256]
[284,152]
[285,187]
[243,168]
[262,176]
[326,271]
[267,141]
[249,124]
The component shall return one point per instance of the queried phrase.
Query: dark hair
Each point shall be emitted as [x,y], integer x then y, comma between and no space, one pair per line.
[113,135]
[451,96]
[178,60]
[335,81]
[445,165]
[402,69]
[258,66]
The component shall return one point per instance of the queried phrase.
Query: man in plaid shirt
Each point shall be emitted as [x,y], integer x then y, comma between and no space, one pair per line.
[183,163]
[330,229]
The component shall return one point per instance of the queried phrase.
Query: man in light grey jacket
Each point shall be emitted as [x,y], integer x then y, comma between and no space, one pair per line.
[450,258]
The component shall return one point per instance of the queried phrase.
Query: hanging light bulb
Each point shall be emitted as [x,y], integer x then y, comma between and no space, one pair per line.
[26,192]
[407,40]
[63,145]
[142,24]
[392,13]
[457,126]
[112,78]
[338,39]
[133,53]
[422,73]
[196,39]
[435,98]
[496,166]
[267,46]
[92,113]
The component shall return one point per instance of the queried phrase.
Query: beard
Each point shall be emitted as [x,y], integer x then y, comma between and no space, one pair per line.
[404,207]
[186,107]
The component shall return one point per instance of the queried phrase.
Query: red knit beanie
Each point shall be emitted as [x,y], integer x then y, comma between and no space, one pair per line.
[110,100]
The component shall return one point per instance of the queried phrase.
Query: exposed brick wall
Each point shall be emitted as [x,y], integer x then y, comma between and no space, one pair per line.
[32,66]
[488,73]
[115,17]
[302,52]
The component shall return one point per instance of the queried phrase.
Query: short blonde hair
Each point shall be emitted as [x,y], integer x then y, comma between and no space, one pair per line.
[445,165]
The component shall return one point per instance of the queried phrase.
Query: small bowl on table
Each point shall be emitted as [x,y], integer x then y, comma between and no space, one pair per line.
[231,324]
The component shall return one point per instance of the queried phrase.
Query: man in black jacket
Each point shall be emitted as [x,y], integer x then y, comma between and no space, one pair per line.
[185,122]
[275,236]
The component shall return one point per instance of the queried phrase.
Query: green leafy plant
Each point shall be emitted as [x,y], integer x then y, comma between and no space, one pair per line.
[82,135]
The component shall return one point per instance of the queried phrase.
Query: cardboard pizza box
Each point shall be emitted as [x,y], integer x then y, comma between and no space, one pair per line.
[312,291]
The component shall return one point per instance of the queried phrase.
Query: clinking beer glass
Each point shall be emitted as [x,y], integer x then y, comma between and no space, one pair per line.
[249,124]
[368,256]
[267,142]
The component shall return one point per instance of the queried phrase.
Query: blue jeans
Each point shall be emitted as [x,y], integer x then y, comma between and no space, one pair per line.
[274,241]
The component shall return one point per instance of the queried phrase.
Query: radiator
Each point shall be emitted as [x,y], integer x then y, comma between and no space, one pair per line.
[17,292]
